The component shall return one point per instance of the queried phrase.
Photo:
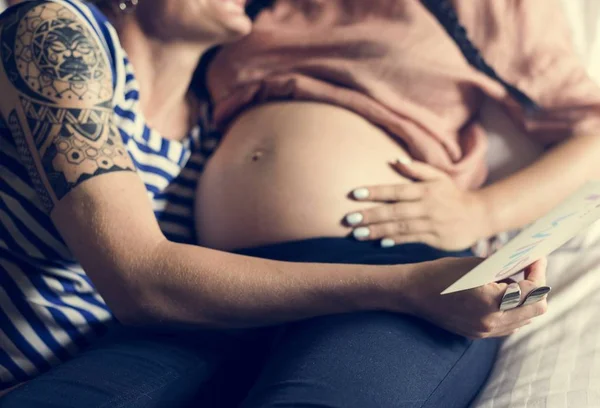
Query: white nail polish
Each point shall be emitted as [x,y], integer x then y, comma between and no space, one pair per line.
[362,232]
[354,218]
[404,160]
[387,243]
[361,193]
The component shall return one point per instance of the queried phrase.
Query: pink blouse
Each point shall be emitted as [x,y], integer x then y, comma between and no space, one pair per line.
[392,62]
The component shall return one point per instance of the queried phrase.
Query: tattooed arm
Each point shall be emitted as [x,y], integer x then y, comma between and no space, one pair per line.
[56,87]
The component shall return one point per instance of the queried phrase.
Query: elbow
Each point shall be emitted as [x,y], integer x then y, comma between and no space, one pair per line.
[147,294]
[159,308]
[149,303]
[131,309]
[156,311]
[131,297]
[132,293]
[132,316]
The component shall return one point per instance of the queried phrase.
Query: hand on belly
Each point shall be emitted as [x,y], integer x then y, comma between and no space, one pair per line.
[433,210]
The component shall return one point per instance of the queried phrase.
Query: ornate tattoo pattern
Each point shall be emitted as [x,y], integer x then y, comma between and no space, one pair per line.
[62,123]
[56,57]
[75,141]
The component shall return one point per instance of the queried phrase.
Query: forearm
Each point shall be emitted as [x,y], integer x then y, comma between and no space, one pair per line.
[148,280]
[189,285]
[530,193]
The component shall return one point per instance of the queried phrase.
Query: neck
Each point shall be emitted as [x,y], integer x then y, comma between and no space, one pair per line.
[164,72]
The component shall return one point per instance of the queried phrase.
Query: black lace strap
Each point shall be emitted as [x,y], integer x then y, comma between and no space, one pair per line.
[446,15]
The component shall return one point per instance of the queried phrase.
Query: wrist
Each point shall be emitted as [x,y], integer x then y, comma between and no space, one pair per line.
[484,214]
[391,287]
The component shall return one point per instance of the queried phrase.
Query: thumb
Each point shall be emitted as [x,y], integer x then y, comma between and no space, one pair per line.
[417,170]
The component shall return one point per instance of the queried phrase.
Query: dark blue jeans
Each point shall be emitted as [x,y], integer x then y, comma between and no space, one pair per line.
[358,360]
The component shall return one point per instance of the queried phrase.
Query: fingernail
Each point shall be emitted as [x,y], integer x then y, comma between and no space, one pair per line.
[361,193]
[511,298]
[362,232]
[536,295]
[387,243]
[354,218]
[404,160]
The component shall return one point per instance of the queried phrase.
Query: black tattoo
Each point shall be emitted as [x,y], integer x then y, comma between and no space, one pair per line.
[62,80]
[14,125]
[54,55]
[42,118]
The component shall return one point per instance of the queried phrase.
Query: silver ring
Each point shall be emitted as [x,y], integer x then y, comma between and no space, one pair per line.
[511,298]
[536,295]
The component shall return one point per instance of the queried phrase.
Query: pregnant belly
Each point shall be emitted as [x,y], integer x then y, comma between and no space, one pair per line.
[284,172]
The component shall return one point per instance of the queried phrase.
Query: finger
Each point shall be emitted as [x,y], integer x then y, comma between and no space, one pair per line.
[418,170]
[422,238]
[534,285]
[511,298]
[503,323]
[399,228]
[512,327]
[527,287]
[387,213]
[503,330]
[387,193]
[524,313]
[515,316]
[508,332]
[537,295]
[536,272]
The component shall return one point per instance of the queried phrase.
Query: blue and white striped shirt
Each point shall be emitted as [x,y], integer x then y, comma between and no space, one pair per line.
[49,309]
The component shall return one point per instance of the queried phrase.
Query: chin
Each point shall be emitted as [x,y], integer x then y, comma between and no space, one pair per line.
[224,17]
[233,26]
[202,21]
[236,30]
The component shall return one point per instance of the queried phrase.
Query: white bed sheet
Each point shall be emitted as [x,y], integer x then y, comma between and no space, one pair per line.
[555,362]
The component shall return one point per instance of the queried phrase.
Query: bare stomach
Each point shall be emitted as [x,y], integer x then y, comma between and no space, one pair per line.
[284,172]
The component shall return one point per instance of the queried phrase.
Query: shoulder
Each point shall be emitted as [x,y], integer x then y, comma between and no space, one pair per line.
[57,99]
[51,52]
